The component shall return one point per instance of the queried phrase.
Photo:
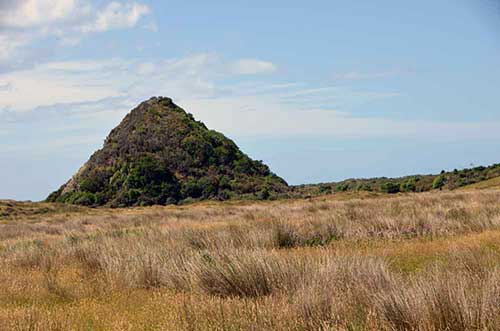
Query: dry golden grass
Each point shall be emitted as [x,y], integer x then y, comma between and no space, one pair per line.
[493,183]
[424,262]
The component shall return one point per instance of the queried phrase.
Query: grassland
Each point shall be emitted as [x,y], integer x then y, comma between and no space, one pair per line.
[350,261]
[493,183]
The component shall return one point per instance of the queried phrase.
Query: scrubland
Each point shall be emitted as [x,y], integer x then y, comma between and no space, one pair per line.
[353,261]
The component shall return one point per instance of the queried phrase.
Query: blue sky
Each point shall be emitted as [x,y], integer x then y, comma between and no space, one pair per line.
[319,90]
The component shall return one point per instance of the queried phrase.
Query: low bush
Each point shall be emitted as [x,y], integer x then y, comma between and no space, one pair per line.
[390,187]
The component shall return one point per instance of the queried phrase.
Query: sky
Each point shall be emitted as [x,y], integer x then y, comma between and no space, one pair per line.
[319,90]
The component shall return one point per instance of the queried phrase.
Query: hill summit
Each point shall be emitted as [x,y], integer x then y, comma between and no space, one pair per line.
[159,154]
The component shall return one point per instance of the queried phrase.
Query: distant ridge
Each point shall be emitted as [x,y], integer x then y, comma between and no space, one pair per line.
[479,177]
[159,154]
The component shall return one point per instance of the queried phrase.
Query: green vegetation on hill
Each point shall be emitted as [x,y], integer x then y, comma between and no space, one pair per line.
[159,154]
[450,180]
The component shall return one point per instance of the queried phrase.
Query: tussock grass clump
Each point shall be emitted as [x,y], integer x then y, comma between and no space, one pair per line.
[288,235]
[285,235]
[28,254]
[337,294]
[135,264]
[247,273]
[443,301]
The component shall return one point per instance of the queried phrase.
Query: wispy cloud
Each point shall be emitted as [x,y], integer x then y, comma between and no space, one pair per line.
[48,84]
[313,91]
[369,75]
[271,117]
[253,66]
[87,94]
[66,82]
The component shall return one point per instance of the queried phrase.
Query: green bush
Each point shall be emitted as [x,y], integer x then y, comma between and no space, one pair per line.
[192,189]
[390,187]
[408,186]
[145,171]
[342,188]
[55,196]
[153,180]
[264,194]
[243,165]
[224,183]
[82,198]
[325,189]
[439,182]
[224,195]
[364,187]
[89,185]
[209,186]
[133,195]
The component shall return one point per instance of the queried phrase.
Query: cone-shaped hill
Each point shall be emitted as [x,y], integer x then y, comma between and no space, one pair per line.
[159,154]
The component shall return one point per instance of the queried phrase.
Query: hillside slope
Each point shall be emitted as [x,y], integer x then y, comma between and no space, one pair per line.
[493,183]
[159,154]
[477,177]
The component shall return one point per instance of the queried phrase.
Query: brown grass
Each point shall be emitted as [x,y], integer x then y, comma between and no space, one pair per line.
[493,183]
[422,262]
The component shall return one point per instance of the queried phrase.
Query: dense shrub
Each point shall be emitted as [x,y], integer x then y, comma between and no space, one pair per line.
[192,188]
[342,188]
[409,186]
[81,198]
[264,194]
[89,185]
[365,187]
[390,187]
[439,182]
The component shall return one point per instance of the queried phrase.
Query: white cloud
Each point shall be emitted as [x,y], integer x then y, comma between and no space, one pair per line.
[22,14]
[252,66]
[357,75]
[23,22]
[30,13]
[117,15]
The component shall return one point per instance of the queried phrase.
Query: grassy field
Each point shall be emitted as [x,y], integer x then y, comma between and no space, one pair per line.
[493,183]
[353,261]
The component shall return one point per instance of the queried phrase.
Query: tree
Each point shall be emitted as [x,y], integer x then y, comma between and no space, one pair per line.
[439,182]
